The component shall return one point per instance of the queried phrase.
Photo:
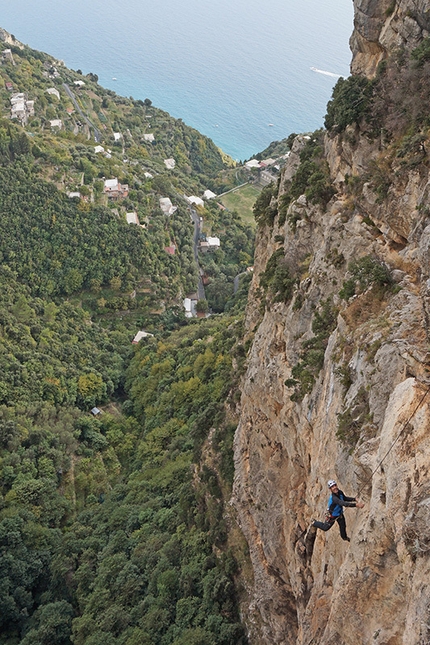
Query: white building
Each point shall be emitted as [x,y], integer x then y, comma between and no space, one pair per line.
[30,107]
[140,335]
[167,206]
[268,162]
[18,110]
[148,175]
[132,218]
[111,184]
[208,194]
[56,123]
[17,98]
[170,163]
[197,201]
[149,137]
[54,92]
[7,55]
[190,307]
[252,163]
[214,243]
[98,149]
[117,136]
[79,83]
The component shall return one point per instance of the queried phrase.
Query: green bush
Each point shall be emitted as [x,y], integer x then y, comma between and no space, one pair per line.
[366,272]
[305,372]
[352,420]
[264,211]
[421,54]
[276,280]
[312,179]
[350,102]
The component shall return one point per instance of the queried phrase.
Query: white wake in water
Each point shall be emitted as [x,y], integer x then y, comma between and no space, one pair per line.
[321,71]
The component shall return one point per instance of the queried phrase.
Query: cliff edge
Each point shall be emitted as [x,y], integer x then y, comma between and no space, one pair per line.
[338,379]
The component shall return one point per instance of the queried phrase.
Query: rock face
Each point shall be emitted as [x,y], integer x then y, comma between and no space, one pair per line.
[365,420]
[382,26]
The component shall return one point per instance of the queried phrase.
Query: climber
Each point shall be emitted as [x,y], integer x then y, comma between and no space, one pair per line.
[336,503]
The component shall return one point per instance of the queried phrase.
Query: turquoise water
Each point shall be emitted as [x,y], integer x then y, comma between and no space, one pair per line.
[227,67]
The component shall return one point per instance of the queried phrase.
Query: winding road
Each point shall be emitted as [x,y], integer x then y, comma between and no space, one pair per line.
[97,135]
[196,221]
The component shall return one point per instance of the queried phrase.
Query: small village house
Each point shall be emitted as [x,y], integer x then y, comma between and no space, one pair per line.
[252,163]
[114,190]
[167,206]
[195,201]
[214,243]
[53,92]
[8,56]
[140,335]
[132,218]
[208,194]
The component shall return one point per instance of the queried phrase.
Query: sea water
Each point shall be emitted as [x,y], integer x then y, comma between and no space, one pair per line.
[240,71]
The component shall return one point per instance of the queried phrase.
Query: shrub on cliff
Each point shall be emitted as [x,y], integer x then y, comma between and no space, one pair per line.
[350,102]
[421,54]
[276,280]
[366,272]
[264,208]
[312,179]
[305,372]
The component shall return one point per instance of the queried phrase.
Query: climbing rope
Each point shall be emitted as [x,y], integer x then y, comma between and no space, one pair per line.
[406,423]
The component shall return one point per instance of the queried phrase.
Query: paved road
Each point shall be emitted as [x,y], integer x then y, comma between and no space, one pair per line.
[97,135]
[236,281]
[196,221]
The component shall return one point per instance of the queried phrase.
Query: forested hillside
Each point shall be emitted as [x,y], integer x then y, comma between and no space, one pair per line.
[113,530]
[113,527]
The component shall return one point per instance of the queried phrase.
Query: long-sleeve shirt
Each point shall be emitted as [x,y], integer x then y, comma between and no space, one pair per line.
[338,500]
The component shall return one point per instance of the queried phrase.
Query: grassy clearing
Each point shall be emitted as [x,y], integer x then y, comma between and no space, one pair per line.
[242,201]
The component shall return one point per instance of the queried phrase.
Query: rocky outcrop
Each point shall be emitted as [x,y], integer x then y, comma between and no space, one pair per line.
[364,420]
[8,38]
[382,26]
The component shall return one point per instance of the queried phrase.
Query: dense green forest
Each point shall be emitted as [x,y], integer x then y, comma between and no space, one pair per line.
[113,530]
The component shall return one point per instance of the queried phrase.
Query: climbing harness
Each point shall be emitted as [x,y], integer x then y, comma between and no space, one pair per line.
[406,423]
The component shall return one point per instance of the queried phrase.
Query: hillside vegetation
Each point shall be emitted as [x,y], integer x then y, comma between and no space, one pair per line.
[113,527]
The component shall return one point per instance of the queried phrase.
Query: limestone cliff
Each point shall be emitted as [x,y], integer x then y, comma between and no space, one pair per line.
[381,26]
[369,402]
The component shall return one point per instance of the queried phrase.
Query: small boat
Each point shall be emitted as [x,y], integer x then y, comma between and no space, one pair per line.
[270,125]
[114,78]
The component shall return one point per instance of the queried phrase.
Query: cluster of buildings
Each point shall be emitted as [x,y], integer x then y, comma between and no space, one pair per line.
[50,70]
[266,168]
[198,201]
[21,108]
